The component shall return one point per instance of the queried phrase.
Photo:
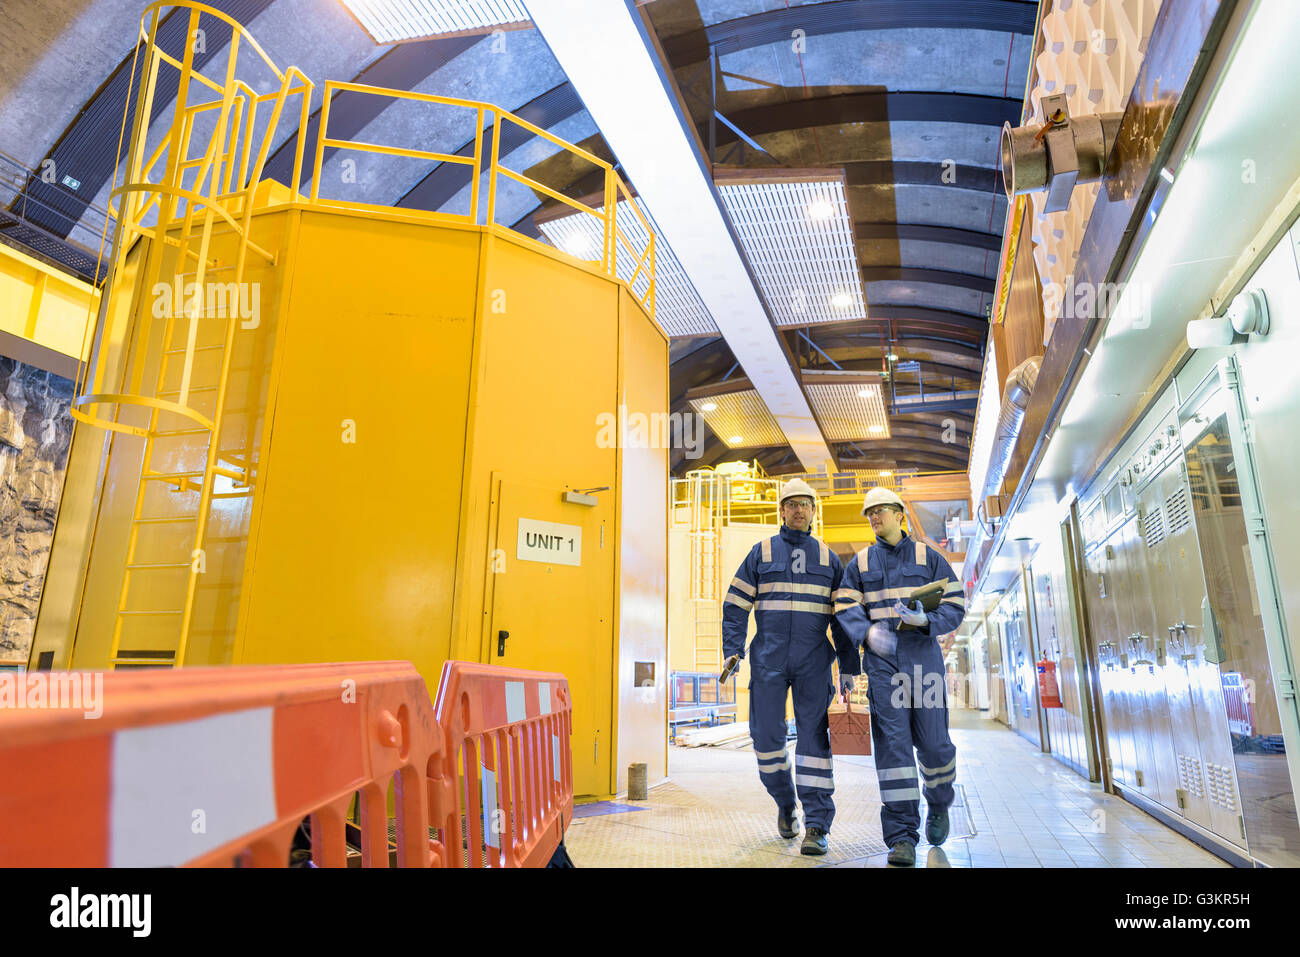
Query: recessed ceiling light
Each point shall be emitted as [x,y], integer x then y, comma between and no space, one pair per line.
[886,474]
[708,406]
[391,20]
[864,393]
[841,300]
[875,429]
[892,357]
[820,209]
[735,438]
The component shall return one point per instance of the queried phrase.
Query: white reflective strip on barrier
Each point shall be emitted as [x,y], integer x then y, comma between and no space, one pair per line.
[170,780]
[516,710]
[488,784]
[544,697]
[769,768]
[740,584]
[812,781]
[739,602]
[780,604]
[941,780]
[904,794]
[555,757]
[769,755]
[797,589]
[947,767]
[895,774]
[810,761]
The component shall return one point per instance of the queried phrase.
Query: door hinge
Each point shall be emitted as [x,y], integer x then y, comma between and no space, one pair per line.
[1286,685]
[1255,525]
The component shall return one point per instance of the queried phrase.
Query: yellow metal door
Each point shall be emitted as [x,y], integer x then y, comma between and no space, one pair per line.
[559,615]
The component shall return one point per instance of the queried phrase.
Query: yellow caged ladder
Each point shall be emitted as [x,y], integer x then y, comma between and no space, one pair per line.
[186,401]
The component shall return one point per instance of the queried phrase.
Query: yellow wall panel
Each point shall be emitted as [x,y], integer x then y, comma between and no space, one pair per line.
[357,530]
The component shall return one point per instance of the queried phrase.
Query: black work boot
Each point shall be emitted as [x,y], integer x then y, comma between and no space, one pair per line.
[936,825]
[787,822]
[902,854]
[814,841]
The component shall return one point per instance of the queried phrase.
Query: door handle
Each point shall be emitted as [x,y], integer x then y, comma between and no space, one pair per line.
[501,643]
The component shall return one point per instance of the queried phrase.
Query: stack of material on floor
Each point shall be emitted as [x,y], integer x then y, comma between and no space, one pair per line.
[722,735]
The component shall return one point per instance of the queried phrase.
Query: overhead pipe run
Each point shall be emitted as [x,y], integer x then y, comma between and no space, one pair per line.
[1056,155]
[1015,400]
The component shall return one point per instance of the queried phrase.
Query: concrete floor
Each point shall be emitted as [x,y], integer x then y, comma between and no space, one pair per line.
[1016,807]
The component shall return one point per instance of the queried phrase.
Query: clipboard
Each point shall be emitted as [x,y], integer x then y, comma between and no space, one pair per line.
[929,596]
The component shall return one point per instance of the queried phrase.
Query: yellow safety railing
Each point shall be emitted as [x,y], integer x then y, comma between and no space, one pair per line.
[616,243]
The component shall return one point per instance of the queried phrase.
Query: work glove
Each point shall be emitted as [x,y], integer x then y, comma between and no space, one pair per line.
[916,618]
[847,683]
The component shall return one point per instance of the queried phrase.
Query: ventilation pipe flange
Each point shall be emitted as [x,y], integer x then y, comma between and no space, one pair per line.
[1056,155]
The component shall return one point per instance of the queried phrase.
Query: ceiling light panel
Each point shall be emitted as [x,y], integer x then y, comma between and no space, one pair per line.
[850,411]
[740,420]
[388,21]
[679,311]
[799,240]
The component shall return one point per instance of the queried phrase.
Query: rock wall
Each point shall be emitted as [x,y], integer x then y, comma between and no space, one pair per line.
[35,431]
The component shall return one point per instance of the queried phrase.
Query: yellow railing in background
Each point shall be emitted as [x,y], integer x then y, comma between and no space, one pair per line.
[615,243]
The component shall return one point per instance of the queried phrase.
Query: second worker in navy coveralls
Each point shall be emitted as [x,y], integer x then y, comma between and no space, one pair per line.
[906,677]
[788,581]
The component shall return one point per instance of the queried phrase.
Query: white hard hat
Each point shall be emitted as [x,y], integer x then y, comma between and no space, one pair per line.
[795,488]
[881,496]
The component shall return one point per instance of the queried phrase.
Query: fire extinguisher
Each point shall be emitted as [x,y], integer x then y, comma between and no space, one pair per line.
[1049,695]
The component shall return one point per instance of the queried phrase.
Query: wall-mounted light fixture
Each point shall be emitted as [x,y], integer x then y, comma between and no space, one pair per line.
[1247,314]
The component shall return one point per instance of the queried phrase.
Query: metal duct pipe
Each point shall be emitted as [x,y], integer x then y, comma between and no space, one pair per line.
[1015,399]
[1058,154]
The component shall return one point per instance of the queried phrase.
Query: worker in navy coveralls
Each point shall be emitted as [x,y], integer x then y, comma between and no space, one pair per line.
[906,678]
[788,580]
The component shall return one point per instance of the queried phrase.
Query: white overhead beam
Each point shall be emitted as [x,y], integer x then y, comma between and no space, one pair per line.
[602,48]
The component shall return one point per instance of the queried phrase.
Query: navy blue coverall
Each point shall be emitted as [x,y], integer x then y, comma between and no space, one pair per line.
[906,678]
[788,581]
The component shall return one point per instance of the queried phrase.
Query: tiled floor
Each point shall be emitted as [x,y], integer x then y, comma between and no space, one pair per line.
[1018,808]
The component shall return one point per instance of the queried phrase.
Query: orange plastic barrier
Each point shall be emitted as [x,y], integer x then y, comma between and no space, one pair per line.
[220,766]
[506,766]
